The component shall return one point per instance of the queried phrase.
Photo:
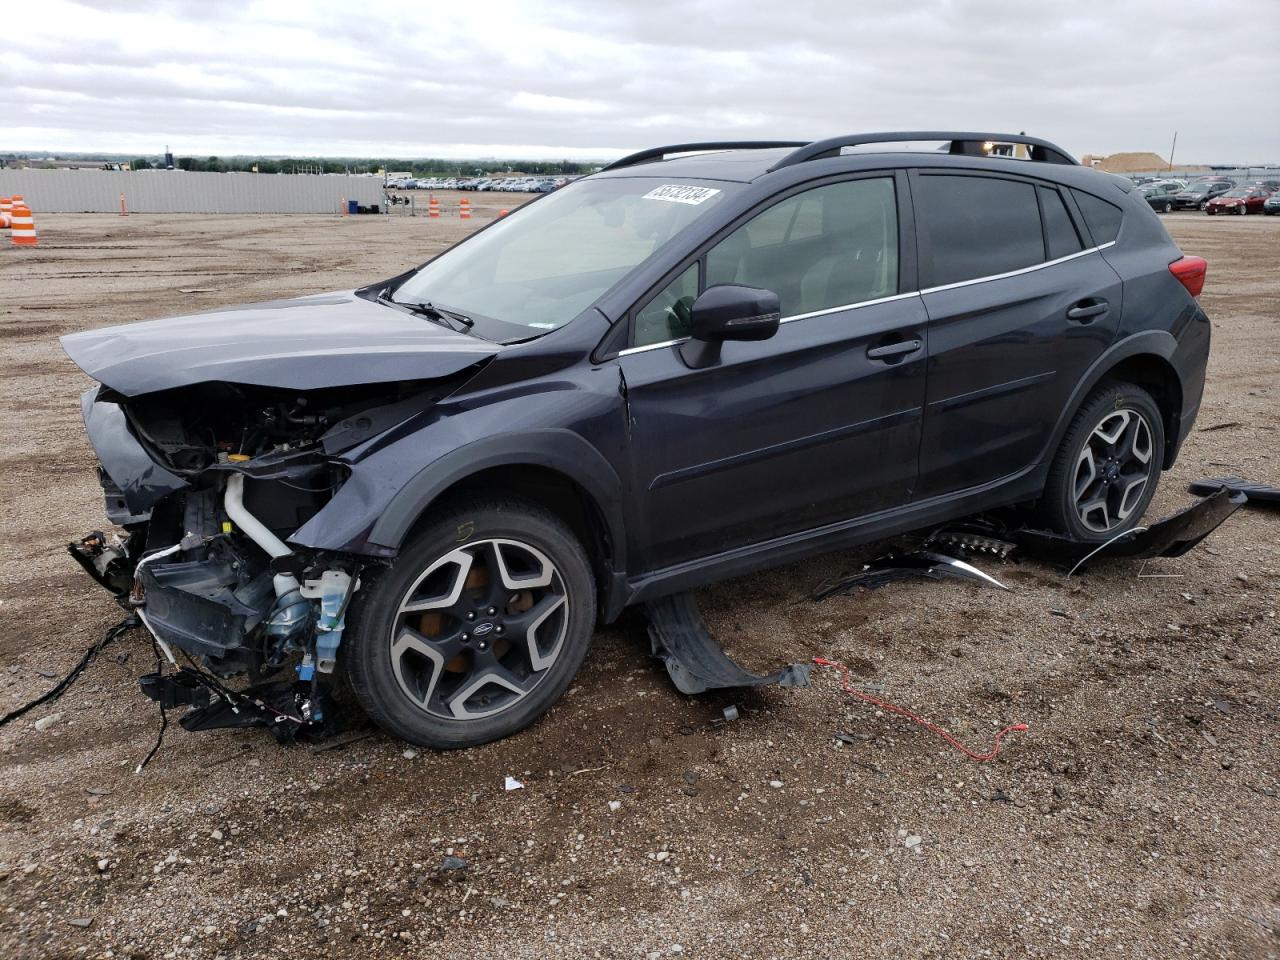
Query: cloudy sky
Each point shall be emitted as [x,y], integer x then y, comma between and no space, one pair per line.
[594,78]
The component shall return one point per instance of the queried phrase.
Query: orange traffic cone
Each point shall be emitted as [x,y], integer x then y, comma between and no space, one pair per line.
[6,212]
[23,231]
[464,209]
[124,209]
[433,207]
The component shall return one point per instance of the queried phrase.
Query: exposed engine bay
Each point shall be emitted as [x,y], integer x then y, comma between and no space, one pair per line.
[203,559]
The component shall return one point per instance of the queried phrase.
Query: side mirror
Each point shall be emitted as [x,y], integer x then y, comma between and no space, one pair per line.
[728,312]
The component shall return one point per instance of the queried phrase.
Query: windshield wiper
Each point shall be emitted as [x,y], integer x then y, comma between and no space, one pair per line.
[446,318]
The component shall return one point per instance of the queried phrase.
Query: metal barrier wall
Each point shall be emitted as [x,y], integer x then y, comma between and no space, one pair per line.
[177,191]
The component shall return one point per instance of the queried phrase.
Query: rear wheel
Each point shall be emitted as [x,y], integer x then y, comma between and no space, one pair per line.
[477,629]
[1106,470]
[1168,207]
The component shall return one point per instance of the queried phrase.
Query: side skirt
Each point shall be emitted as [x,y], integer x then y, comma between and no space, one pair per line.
[836,536]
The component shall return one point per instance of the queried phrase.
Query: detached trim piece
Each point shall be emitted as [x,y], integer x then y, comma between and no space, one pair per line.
[693,658]
[1171,537]
[1259,494]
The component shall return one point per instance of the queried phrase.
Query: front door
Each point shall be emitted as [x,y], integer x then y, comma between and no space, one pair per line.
[816,425]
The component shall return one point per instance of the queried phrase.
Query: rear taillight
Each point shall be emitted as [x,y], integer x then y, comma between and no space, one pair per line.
[1190,272]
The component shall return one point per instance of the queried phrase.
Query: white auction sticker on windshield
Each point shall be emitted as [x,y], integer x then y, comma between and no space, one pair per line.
[681,193]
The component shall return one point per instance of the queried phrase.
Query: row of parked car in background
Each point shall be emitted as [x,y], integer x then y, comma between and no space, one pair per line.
[1213,195]
[505,184]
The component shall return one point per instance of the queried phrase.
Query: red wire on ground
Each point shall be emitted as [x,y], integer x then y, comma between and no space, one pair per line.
[927,724]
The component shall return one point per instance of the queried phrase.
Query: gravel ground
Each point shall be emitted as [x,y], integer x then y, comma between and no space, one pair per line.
[1139,817]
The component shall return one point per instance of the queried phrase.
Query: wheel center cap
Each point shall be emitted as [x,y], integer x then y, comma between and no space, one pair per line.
[482,629]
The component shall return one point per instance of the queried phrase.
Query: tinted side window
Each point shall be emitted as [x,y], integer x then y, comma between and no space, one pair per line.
[979,227]
[825,247]
[1060,235]
[1101,217]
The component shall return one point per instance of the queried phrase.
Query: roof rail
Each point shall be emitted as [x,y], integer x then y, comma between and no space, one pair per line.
[961,143]
[658,153]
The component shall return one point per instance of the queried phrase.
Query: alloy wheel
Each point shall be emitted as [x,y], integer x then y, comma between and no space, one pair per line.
[479,629]
[1113,470]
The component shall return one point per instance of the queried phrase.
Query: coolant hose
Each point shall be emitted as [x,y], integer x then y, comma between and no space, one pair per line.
[255,530]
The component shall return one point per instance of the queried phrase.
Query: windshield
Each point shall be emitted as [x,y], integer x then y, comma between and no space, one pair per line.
[549,261]
[1239,193]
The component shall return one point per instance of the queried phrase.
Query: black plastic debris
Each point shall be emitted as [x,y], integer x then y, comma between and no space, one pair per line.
[1259,494]
[289,710]
[696,662]
[973,537]
[1171,537]
[895,567]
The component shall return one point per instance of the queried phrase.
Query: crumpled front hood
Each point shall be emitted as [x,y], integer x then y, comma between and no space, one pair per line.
[309,343]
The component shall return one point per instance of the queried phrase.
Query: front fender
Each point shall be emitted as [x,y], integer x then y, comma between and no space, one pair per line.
[381,500]
[557,449]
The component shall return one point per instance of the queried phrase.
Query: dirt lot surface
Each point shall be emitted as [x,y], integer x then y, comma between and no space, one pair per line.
[1139,817]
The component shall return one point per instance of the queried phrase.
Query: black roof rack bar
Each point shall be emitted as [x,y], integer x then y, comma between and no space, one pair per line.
[657,153]
[1041,150]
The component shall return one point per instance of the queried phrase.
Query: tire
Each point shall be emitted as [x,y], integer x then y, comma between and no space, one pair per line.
[1092,492]
[474,658]
[1168,208]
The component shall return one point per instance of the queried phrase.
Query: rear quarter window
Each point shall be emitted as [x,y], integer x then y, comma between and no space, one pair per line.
[1060,234]
[1101,217]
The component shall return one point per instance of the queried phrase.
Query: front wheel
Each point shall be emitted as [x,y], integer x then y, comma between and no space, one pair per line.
[1168,208]
[476,629]
[1107,467]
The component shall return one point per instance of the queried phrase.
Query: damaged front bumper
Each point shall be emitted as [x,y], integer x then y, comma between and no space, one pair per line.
[132,481]
[203,564]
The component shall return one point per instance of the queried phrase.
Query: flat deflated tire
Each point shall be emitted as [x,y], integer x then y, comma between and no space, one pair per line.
[1106,469]
[476,629]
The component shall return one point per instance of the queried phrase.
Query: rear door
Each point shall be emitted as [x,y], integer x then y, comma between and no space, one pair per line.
[815,425]
[1019,307]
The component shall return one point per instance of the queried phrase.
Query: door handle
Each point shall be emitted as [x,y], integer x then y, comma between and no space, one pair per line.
[1086,310]
[890,350]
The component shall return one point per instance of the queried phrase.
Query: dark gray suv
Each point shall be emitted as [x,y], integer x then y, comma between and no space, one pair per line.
[704,360]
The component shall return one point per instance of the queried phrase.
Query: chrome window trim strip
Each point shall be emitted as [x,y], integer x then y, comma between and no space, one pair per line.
[897,296]
[797,316]
[1018,273]
[849,306]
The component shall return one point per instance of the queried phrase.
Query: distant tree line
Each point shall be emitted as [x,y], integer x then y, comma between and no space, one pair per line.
[419,168]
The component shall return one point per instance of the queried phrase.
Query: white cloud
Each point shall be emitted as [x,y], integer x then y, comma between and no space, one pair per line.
[588,79]
[541,103]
